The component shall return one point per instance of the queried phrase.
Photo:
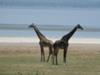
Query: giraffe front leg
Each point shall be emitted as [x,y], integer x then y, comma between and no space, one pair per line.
[65,54]
[42,54]
[64,57]
[53,59]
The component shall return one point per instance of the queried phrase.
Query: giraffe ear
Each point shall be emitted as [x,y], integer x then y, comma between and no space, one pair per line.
[30,26]
[78,25]
[32,23]
[81,27]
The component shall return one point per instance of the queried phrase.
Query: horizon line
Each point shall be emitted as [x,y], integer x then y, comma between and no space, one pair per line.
[46,27]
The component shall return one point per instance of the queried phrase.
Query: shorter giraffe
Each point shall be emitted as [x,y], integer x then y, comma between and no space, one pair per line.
[44,42]
[63,43]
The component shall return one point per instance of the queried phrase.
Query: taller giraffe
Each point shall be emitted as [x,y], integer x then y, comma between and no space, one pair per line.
[63,43]
[44,42]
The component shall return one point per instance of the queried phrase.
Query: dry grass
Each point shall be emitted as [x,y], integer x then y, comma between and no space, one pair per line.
[24,59]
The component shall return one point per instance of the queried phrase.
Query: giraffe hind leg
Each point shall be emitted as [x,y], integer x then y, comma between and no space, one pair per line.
[56,60]
[56,56]
[48,57]
[50,53]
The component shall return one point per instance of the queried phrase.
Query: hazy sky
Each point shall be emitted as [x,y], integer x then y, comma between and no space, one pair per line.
[64,16]
[50,3]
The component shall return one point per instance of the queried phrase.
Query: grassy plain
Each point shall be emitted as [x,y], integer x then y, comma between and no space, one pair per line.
[24,59]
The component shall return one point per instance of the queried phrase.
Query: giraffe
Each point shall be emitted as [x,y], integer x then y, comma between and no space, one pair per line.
[63,43]
[43,42]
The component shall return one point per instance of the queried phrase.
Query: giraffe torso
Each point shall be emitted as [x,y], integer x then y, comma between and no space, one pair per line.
[46,43]
[60,44]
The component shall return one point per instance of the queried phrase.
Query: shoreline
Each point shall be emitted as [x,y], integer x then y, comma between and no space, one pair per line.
[35,47]
[36,40]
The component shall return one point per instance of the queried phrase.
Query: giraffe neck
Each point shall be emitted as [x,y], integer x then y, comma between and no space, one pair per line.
[69,35]
[39,34]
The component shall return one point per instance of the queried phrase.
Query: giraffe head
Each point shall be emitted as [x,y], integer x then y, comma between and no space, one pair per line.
[32,25]
[79,26]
